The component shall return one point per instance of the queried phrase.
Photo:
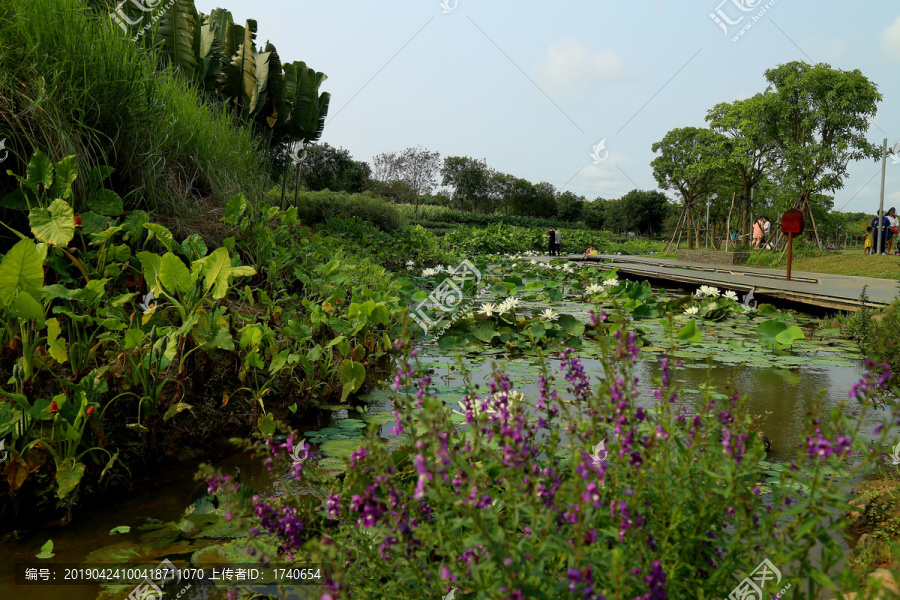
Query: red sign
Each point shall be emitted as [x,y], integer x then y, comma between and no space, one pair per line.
[792,221]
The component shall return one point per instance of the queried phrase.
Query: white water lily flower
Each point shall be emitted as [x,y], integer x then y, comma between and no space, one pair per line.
[440,269]
[594,288]
[488,309]
[429,272]
[600,453]
[509,304]
[708,290]
[731,295]
[611,282]
[691,310]
[549,314]
[711,306]
[410,264]
[512,398]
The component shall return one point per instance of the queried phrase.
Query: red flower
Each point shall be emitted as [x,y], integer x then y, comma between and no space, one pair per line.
[90,411]
[53,407]
[77,221]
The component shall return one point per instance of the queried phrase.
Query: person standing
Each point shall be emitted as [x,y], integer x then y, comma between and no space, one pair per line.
[558,241]
[886,224]
[892,230]
[551,241]
[868,246]
[767,229]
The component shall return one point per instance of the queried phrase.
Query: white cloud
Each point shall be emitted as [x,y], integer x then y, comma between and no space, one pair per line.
[572,68]
[890,39]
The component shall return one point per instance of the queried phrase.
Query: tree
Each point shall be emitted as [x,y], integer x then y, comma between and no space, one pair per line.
[690,160]
[748,147]
[817,118]
[569,207]
[326,167]
[594,213]
[397,191]
[416,167]
[638,210]
[471,180]
[544,200]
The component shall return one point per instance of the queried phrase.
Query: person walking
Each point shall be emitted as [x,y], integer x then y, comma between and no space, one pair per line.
[558,241]
[757,231]
[551,241]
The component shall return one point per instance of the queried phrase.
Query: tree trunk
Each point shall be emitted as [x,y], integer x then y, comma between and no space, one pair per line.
[745,218]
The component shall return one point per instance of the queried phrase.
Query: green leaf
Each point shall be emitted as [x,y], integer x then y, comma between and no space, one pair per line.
[163,235]
[21,271]
[54,225]
[120,529]
[106,202]
[66,172]
[789,336]
[68,476]
[55,346]
[352,375]
[235,208]
[46,550]
[39,170]
[28,309]
[175,409]
[174,275]
[251,336]
[216,271]
[690,333]
[151,264]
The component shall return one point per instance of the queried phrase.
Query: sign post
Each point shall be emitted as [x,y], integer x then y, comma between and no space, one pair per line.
[792,223]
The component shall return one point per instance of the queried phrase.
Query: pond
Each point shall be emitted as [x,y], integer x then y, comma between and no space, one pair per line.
[782,387]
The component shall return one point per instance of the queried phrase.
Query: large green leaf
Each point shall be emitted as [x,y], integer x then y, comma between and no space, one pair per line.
[28,309]
[21,271]
[690,333]
[164,236]
[39,171]
[106,202]
[54,225]
[68,476]
[151,264]
[174,275]
[352,375]
[64,176]
[179,30]
[216,272]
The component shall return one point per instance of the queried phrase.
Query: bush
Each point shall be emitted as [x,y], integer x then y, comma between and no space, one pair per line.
[391,250]
[594,497]
[314,208]
[429,214]
[505,239]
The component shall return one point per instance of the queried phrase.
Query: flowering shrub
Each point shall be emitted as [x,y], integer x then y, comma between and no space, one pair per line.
[578,493]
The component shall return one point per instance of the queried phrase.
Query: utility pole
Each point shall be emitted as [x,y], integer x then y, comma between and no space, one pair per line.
[879,249]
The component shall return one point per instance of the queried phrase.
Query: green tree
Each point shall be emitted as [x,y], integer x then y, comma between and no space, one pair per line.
[594,213]
[471,180]
[569,207]
[325,167]
[748,146]
[638,210]
[817,118]
[691,160]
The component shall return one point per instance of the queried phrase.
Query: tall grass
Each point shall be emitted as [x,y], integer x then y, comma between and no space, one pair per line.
[72,84]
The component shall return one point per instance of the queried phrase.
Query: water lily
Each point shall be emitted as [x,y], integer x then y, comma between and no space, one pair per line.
[711,306]
[612,281]
[410,264]
[731,295]
[600,453]
[594,288]
[509,304]
[549,314]
[691,310]
[708,290]
[429,272]
[488,309]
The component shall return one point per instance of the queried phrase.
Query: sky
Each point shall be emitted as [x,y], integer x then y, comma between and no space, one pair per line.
[574,93]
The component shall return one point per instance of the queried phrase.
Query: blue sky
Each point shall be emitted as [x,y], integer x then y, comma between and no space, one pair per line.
[532,87]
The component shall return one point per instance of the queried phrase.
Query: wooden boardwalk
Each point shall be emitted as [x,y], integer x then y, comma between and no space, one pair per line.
[840,292]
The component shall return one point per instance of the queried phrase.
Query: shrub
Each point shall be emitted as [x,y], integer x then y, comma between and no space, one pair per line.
[314,208]
[589,496]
